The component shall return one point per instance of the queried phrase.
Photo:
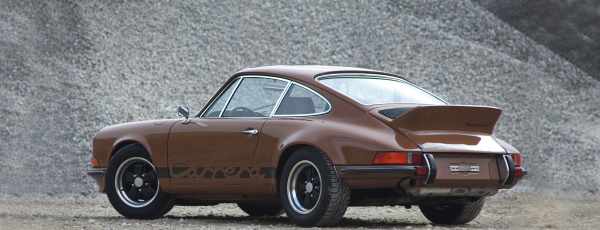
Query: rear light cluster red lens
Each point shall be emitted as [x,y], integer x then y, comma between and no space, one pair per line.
[390,158]
[398,158]
[421,171]
[415,159]
[518,161]
[518,172]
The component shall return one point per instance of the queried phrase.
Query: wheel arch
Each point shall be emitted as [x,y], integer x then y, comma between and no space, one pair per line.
[125,142]
[287,153]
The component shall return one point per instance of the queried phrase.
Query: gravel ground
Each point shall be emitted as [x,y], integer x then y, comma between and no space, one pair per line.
[69,68]
[505,210]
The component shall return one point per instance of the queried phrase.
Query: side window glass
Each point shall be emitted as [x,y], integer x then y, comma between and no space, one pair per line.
[217,106]
[255,97]
[300,101]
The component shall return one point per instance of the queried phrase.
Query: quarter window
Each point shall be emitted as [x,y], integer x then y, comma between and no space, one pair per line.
[255,97]
[301,101]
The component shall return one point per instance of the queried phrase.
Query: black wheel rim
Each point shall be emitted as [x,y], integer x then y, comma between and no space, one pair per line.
[304,187]
[136,182]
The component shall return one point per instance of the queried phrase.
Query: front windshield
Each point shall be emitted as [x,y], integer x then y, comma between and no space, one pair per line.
[370,90]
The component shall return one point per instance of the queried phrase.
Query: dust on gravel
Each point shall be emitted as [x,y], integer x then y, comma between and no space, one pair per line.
[505,210]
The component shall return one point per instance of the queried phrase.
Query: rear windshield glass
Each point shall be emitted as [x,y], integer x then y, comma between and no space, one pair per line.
[370,90]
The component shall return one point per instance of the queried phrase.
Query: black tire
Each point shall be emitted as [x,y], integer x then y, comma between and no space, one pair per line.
[153,208]
[333,194]
[452,213]
[261,209]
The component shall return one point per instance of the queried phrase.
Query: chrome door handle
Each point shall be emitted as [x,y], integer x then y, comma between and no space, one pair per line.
[250,131]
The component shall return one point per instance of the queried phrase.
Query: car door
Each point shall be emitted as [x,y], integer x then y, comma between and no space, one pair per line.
[214,153]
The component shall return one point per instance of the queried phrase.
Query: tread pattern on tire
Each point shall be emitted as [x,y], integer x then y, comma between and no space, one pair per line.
[337,196]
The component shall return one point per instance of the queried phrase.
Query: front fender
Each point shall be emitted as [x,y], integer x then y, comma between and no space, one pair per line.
[152,135]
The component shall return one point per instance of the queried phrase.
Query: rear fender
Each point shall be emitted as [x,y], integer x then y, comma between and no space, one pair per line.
[343,143]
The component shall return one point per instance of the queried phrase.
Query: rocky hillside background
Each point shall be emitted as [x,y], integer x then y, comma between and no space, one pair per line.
[68,69]
[569,28]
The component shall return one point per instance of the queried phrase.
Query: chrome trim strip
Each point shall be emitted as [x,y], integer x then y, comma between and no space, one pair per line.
[428,168]
[507,169]
[434,168]
[373,76]
[237,118]
[276,107]
[238,83]
[307,114]
[234,84]
[95,172]
[354,75]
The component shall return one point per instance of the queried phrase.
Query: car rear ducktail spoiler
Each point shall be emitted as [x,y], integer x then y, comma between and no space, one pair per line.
[460,118]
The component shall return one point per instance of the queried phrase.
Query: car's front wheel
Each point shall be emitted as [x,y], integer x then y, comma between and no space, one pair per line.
[311,191]
[453,212]
[132,185]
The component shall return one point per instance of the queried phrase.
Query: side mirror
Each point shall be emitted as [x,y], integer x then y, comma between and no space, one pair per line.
[183,111]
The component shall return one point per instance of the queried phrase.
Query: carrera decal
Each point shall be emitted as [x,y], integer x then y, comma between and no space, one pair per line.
[232,171]
[222,172]
[178,170]
[268,172]
[208,174]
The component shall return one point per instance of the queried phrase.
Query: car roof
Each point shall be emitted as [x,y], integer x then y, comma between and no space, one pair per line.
[301,73]
[305,73]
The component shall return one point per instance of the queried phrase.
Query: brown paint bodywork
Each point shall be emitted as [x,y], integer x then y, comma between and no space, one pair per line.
[210,159]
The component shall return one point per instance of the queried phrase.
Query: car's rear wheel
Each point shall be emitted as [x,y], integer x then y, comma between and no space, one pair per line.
[311,191]
[453,212]
[132,185]
[261,209]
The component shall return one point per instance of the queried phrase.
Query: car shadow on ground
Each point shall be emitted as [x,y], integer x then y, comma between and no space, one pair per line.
[284,221]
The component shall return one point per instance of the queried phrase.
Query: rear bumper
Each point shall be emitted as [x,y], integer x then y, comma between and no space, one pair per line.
[388,176]
[98,174]
[377,176]
[437,182]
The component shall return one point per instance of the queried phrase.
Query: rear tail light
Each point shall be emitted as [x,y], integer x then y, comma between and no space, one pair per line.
[388,158]
[519,172]
[411,159]
[416,159]
[421,171]
[517,159]
[398,158]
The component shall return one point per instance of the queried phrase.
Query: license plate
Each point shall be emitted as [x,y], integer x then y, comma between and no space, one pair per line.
[468,168]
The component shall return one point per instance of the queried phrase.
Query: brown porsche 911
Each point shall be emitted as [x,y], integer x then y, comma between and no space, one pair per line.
[310,141]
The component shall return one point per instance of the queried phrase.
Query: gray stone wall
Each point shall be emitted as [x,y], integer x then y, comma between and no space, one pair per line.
[68,69]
